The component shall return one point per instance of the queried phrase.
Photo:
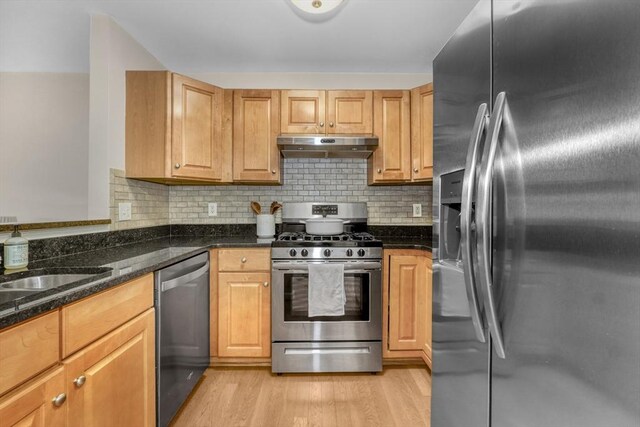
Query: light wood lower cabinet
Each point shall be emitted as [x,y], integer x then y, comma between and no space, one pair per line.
[112,381]
[407,304]
[244,314]
[32,405]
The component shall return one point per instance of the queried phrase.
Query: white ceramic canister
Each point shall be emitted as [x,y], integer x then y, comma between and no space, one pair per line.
[266,225]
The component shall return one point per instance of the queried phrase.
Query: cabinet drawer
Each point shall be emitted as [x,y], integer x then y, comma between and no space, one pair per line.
[87,320]
[29,348]
[244,259]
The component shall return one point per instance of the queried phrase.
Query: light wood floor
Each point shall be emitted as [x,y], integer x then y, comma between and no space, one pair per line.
[229,397]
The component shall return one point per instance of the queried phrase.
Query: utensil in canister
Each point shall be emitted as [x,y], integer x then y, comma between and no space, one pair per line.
[274,207]
[256,208]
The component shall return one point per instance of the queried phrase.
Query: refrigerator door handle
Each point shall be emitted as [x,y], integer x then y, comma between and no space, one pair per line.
[468,189]
[483,221]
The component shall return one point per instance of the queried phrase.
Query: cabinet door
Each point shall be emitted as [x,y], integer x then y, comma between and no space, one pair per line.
[427,311]
[256,117]
[407,276]
[422,132]
[112,381]
[303,111]
[244,315]
[350,112]
[391,161]
[32,405]
[198,149]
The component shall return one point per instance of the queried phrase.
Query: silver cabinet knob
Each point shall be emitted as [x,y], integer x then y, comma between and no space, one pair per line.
[321,124]
[177,166]
[243,260]
[59,400]
[265,284]
[79,382]
[379,170]
[330,124]
[416,170]
[273,171]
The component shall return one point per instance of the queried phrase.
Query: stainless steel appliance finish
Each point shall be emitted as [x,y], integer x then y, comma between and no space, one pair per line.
[462,83]
[556,219]
[327,146]
[182,332]
[329,343]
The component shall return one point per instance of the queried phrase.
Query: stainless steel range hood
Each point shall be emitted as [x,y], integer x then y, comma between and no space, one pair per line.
[324,146]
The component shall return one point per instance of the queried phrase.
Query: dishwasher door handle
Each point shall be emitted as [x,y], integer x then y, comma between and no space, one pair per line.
[185,280]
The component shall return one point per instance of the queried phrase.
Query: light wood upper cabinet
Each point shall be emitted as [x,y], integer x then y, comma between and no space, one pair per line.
[391,161]
[32,404]
[244,314]
[350,112]
[174,129]
[256,125]
[422,133]
[327,112]
[112,381]
[303,111]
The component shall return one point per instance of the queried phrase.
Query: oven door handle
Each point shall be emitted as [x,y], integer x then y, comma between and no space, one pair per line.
[361,267]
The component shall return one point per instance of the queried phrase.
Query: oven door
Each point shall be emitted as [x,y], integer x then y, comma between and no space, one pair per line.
[362,320]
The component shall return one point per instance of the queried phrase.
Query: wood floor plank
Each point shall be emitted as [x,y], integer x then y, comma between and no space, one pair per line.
[253,397]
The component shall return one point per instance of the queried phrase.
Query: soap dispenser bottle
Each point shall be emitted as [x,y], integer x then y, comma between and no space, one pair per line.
[16,251]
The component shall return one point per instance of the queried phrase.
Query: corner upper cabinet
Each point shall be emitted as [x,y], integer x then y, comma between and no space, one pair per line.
[174,130]
[422,133]
[391,160]
[256,125]
[327,112]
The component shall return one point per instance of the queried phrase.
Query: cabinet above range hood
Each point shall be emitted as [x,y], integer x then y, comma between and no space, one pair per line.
[324,146]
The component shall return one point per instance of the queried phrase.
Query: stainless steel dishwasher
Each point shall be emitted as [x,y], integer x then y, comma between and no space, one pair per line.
[182,332]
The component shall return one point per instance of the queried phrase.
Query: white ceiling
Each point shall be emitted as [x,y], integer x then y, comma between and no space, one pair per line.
[366,36]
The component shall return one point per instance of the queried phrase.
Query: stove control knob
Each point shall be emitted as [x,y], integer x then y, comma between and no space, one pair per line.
[349,252]
[327,252]
[304,252]
[293,252]
[361,252]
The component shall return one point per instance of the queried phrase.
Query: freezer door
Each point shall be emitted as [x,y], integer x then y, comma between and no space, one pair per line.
[462,79]
[566,214]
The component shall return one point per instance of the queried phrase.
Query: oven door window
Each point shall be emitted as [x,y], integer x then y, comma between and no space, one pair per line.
[296,299]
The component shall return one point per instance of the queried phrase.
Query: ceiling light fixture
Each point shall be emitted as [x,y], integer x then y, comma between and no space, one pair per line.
[316,10]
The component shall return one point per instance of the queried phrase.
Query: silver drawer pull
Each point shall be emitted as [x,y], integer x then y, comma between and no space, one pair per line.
[59,400]
[243,260]
[79,382]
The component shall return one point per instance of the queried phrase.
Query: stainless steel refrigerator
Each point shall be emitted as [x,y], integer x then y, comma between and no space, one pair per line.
[536,316]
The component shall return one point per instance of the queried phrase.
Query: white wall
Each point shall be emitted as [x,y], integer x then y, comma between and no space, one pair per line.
[314,80]
[112,52]
[44,135]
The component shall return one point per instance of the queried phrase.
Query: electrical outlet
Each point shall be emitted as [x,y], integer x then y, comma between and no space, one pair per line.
[213,209]
[124,211]
[417,210]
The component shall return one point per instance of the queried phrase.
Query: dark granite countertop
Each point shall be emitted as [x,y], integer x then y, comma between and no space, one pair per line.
[125,263]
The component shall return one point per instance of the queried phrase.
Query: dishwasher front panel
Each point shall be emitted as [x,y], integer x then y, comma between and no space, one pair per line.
[182,332]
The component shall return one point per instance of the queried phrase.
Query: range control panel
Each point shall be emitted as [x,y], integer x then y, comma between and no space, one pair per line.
[324,210]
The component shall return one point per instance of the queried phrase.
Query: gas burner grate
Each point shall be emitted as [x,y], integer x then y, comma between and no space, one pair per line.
[304,237]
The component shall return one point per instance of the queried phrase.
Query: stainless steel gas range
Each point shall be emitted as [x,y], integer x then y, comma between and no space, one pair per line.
[337,343]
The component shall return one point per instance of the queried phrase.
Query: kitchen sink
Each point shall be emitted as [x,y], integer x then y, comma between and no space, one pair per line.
[44,282]
[36,281]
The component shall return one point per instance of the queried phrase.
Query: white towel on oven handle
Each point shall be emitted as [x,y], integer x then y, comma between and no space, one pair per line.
[327,296]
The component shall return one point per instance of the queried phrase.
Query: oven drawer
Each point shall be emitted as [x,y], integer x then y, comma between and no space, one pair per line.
[244,260]
[347,356]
